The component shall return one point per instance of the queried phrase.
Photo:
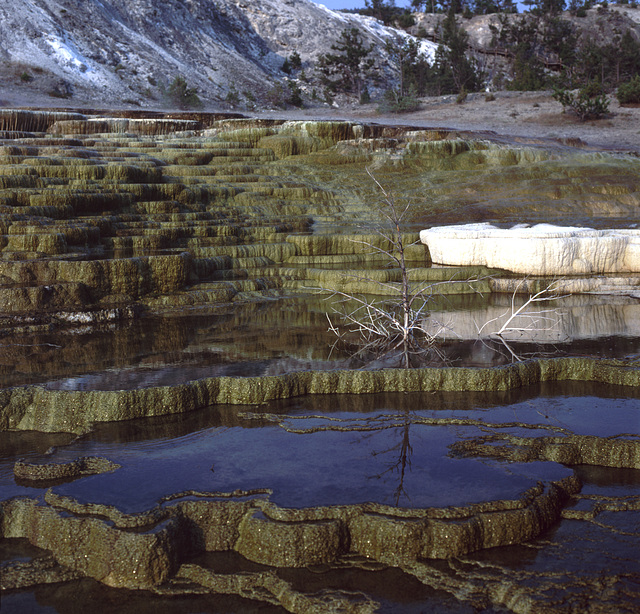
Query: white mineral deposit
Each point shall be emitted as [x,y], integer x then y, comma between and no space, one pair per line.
[542,249]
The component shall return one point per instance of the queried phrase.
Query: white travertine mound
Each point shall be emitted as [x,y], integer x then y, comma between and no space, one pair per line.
[543,249]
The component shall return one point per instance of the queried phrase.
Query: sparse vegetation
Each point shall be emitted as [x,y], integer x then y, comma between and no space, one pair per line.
[389,328]
[452,70]
[61,90]
[585,104]
[393,102]
[414,69]
[546,48]
[629,92]
[294,97]
[384,10]
[233,97]
[179,94]
[295,61]
[348,69]
[406,20]
[282,95]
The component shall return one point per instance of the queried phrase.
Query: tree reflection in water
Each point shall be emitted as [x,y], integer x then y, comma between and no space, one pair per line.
[402,464]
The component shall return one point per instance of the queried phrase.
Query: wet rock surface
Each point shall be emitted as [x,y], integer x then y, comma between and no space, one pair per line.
[279,538]
[48,472]
[164,547]
[219,450]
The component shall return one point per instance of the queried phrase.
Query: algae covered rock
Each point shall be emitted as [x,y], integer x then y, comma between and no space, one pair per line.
[290,544]
[89,465]
[119,559]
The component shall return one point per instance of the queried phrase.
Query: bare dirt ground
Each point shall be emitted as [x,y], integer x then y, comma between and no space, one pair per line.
[514,116]
[527,116]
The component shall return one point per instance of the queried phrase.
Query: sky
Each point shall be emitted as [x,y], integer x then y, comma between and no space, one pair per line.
[354,4]
[359,4]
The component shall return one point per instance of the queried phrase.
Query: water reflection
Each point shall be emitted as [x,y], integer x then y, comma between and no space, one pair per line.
[392,449]
[336,449]
[565,320]
[400,459]
[291,335]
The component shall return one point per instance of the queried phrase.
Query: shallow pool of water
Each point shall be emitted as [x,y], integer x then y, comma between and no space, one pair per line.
[327,450]
[393,449]
[287,335]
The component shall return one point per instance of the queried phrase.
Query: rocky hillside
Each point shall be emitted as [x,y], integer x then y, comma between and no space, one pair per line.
[596,26]
[126,52]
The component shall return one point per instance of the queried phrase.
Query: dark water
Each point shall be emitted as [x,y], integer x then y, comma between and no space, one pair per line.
[351,449]
[386,450]
[290,335]
[398,459]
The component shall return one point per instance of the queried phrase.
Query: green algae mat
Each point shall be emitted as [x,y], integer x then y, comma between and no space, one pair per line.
[179,430]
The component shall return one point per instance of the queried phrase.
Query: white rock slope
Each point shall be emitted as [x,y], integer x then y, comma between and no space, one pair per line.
[110,51]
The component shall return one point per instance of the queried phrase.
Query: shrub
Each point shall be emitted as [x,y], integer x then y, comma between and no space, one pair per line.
[232,98]
[295,95]
[61,90]
[295,61]
[393,102]
[629,92]
[182,96]
[584,104]
[281,96]
[592,89]
[275,96]
[25,77]
[57,94]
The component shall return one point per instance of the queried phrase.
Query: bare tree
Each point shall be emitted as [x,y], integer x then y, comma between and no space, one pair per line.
[392,325]
[394,328]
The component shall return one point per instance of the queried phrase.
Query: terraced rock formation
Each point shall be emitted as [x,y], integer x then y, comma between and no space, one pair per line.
[111,240]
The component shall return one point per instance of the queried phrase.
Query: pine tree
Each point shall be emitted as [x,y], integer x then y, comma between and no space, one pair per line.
[350,64]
